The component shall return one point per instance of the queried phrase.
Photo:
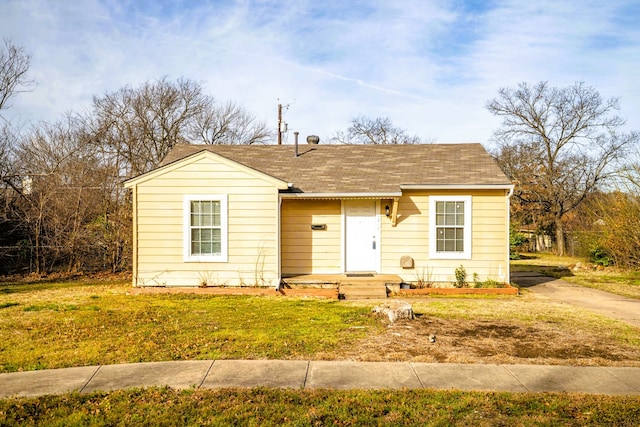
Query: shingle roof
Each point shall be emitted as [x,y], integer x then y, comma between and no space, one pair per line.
[361,168]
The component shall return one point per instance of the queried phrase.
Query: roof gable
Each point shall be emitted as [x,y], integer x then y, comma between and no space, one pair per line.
[196,155]
[379,169]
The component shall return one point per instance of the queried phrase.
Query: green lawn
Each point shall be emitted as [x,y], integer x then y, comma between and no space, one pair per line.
[57,325]
[80,323]
[275,407]
[75,323]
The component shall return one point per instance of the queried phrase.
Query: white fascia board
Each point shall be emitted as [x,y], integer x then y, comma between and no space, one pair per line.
[457,187]
[340,195]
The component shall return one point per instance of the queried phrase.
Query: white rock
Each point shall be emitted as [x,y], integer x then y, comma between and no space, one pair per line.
[395,310]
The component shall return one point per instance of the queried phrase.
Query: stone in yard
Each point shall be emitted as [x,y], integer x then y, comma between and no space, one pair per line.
[395,310]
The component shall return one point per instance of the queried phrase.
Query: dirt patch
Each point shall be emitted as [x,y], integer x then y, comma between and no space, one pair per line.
[481,341]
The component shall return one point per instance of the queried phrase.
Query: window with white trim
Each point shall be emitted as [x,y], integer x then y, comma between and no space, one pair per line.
[450,227]
[205,228]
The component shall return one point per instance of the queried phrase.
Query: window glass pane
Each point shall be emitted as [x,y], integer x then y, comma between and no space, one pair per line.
[450,207]
[205,220]
[195,241]
[450,219]
[449,213]
[215,214]
[449,226]
[216,248]
[195,218]
[206,235]
[449,245]
[205,248]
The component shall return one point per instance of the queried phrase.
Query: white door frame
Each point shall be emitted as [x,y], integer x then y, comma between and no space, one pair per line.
[343,242]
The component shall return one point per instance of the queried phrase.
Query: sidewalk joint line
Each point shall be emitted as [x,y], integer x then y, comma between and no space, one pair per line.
[515,377]
[306,375]
[622,380]
[416,374]
[90,379]
[204,378]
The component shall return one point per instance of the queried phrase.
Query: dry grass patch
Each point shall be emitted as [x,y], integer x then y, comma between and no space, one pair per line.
[625,283]
[609,279]
[517,330]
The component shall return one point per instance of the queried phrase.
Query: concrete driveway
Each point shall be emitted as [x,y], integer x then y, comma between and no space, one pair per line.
[604,303]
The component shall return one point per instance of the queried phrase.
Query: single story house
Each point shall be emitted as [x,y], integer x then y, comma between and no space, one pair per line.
[230,215]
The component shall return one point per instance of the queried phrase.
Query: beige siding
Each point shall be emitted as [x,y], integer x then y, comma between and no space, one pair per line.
[489,253]
[252,227]
[306,251]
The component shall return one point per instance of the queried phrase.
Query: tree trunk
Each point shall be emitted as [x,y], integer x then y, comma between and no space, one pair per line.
[560,242]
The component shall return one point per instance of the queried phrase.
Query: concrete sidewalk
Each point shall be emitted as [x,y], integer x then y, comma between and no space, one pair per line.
[340,375]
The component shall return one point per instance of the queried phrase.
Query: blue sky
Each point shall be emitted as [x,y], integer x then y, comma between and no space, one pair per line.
[428,65]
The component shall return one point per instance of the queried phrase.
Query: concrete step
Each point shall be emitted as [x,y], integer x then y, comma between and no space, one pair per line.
[362,291]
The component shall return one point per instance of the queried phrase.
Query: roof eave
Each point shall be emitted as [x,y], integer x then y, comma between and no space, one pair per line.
[361,195]
[456,186]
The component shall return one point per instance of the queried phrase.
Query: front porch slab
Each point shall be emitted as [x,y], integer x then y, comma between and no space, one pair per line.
[348,286]
[329,280]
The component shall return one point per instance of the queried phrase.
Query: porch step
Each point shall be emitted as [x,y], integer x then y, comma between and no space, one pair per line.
[362,291]
[358,286]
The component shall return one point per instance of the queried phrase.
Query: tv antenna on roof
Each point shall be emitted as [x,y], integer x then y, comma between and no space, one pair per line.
[282,125]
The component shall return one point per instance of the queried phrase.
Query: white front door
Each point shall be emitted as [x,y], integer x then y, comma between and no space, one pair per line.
[361,236]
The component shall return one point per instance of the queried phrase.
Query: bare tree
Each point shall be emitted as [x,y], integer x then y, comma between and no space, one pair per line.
[142,125]
[229,124]
[14,65]
[7,138]
[558,145]
[64,194]
[381,130]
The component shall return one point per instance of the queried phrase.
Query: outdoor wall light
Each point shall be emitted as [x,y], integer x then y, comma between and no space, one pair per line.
[387,211]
